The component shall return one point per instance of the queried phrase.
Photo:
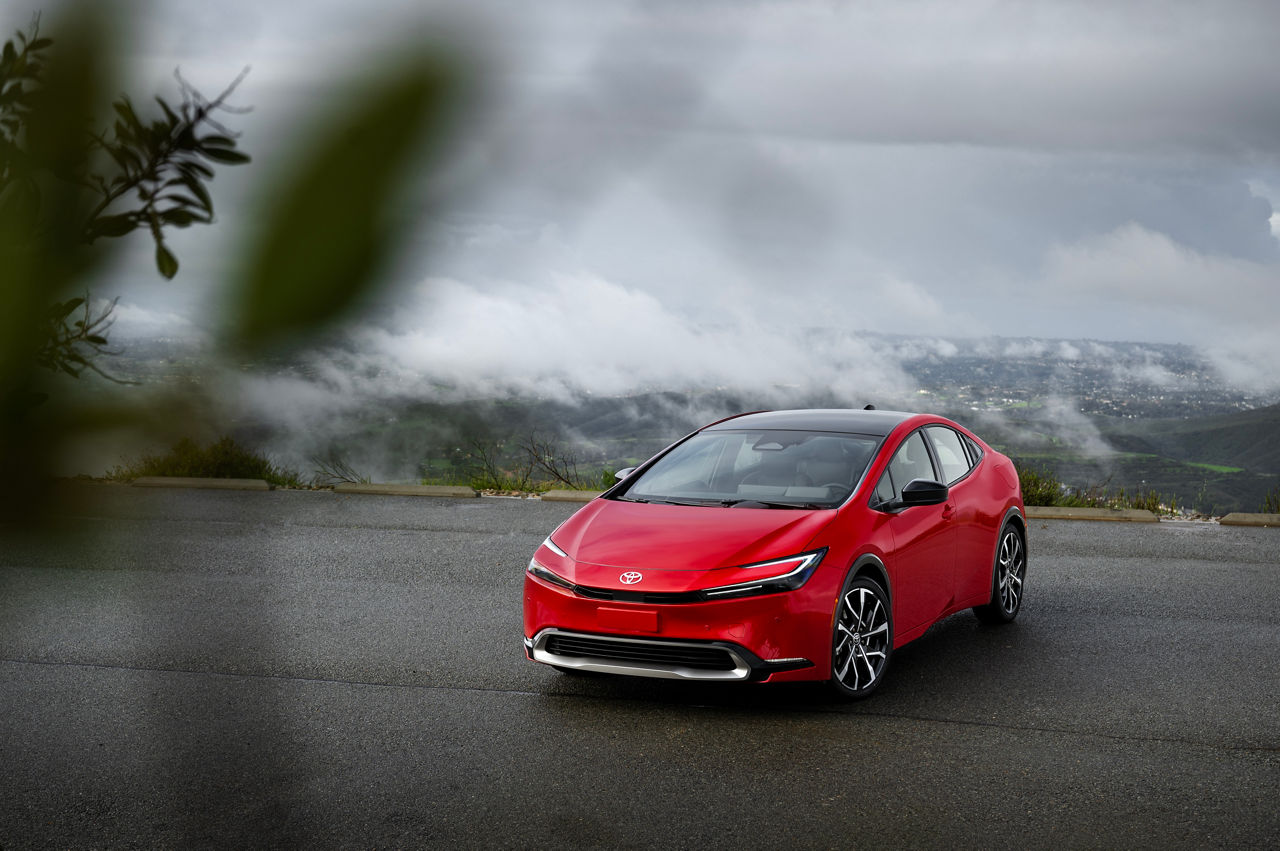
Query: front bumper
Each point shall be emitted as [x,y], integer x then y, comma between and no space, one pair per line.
[783,636]
[649,657]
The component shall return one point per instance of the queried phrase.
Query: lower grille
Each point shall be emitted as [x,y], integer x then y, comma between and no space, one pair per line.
[642,657]
[683,655]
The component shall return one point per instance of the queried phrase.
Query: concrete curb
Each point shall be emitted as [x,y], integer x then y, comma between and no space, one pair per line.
[208,484]
[570,496]
[1242,519]
[1121,515]
[450,491]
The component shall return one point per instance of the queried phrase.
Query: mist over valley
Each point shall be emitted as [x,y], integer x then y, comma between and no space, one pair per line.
[1136,416]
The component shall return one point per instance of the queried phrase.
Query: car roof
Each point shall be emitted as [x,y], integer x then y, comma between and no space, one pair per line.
[878,423]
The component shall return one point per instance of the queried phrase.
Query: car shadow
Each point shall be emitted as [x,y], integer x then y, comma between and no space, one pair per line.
[951,658]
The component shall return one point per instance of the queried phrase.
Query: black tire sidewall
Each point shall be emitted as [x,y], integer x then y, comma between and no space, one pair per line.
[993,611]
[850,583]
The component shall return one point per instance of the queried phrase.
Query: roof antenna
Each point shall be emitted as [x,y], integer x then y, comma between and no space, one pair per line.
[869,408]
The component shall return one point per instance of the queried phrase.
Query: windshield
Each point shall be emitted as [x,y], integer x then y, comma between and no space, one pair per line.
[755,469]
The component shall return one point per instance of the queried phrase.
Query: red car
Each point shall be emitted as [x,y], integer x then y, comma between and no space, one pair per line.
[782,546]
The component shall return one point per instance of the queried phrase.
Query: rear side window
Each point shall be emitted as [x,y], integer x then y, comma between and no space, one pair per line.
[951,453]
[975,451]
[910,462]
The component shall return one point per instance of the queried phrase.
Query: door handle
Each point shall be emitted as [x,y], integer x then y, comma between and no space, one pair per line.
[948,511]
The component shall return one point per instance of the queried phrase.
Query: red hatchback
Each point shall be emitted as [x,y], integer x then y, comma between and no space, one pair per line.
[782,546]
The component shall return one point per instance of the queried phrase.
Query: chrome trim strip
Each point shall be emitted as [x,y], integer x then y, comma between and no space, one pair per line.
[741,669]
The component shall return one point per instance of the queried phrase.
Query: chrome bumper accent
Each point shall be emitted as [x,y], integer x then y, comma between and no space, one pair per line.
[664,670]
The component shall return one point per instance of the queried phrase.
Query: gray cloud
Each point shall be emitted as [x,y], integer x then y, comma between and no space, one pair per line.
[655,173]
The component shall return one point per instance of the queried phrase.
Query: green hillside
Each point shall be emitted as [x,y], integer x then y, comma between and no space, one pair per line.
[1249,440]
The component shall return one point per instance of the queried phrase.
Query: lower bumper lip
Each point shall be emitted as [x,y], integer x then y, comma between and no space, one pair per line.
[659,658]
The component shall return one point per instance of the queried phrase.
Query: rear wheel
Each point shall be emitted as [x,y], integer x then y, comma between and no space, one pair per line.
[1007,578]
[862,639]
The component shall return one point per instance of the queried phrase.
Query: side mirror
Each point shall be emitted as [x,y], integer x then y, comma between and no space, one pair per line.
[917,492]
[623,473]
[924,492]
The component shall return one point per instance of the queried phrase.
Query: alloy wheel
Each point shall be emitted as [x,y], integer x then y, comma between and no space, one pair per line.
[1011,564]
[862,640]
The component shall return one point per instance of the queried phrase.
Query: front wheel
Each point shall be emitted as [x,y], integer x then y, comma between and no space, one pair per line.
[1007,578]
[862,639]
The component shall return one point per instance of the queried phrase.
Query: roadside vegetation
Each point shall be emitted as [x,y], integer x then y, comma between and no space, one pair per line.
[1043,488]
[222,459]
[1271,503]
[533,464]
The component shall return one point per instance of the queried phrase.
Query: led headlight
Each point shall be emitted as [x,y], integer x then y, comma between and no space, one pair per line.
[786,574]
[546,575]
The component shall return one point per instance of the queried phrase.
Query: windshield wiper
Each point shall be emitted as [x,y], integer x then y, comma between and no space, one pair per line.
[729,503]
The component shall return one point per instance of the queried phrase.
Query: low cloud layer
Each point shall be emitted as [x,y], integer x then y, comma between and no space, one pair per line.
[674,195]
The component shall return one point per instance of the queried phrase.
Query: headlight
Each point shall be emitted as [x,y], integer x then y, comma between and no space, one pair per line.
[535,569]
[786,574]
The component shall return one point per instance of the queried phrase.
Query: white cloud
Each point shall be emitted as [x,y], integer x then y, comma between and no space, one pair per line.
[131,320]
[582,333]
[1155,289]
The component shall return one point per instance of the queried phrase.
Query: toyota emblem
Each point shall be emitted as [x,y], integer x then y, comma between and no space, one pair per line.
[631,577]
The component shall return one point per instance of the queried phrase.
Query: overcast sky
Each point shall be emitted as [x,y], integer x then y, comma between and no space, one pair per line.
[673,183]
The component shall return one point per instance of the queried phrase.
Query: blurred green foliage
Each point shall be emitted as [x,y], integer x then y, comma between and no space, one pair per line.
[78,170]
[333,228]
[70,177]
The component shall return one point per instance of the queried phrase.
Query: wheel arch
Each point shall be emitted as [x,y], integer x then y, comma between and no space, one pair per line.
[870,566]
[1013,516]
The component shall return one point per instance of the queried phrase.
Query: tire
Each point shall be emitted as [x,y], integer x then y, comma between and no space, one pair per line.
[1007,578]
[862,638]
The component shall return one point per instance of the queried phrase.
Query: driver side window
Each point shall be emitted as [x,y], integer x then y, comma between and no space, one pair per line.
[911,461]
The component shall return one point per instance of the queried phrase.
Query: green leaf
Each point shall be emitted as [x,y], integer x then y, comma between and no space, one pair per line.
[178,218]
[180,199]
[125,110]
[195,169]
[197,189]
[168,111]
[63,310]
[226,156]
[327,234]
[113,225]
[165,261]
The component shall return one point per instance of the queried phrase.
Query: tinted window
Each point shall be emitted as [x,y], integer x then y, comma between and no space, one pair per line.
[911,461]
[951,454]
[803,468]
[975,451]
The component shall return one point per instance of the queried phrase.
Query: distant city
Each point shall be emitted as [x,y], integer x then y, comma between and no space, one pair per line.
[1123,380]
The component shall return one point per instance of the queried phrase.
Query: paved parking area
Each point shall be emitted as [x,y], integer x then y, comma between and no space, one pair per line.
[186,668]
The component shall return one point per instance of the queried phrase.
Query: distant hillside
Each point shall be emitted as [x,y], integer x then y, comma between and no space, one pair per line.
[1249,440]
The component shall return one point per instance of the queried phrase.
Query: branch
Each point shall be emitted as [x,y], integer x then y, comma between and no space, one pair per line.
[203,110]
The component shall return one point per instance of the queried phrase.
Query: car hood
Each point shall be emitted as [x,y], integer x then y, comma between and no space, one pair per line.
[608,533]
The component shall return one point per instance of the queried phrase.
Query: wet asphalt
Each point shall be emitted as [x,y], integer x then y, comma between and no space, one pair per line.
[183,668]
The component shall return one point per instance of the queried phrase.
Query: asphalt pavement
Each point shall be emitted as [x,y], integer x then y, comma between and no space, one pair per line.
[184,668]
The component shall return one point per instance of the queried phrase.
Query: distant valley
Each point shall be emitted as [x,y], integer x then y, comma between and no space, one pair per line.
[1110,415]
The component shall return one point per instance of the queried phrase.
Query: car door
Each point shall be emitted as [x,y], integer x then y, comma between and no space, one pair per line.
[922,566]
[973,519]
